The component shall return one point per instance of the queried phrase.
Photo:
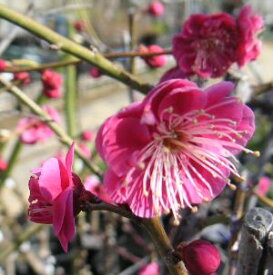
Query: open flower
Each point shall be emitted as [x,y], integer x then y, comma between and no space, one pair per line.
[172,149]
[56,196]
[34,130]
[209,44]
[52,83]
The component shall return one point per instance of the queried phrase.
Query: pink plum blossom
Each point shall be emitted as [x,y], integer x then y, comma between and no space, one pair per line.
[249,24]
[52,83]
[200,257]
[155,61]
[34,130]
[156,8]
[56,196]
[149,269]
[173,149]
[93,184]
[209,44]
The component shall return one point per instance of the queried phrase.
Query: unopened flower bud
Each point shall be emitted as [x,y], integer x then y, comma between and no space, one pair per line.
[200,257]
[87,135]
[156,9]
[22,77]
[79,25]
[95,72]
[3,165]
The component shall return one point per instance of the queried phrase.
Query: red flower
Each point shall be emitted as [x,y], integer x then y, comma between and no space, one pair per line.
[209,44]
[200,257]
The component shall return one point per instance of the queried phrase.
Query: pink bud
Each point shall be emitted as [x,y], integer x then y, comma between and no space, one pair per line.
[3,165]
[156,8]
[87,135]
[264,185]
[3,65]
[150,269]
[79,25]
[52,83]
[200,257]
[95,72]
[155,61]
[85,150]
[23,77]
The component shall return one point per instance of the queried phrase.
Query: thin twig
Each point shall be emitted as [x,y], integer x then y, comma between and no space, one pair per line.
[64,44]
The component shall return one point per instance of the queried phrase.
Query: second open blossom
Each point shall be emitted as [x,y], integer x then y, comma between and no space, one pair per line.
[175,148]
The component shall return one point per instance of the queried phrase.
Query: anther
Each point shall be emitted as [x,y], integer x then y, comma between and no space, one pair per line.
[232,187]
[256,154]
[194,209]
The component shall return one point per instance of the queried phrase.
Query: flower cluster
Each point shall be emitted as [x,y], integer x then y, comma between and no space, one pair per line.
[172,149]
[52,83]
[209,44]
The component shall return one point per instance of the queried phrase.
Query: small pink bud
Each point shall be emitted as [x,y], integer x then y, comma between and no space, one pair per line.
[79,25]
[23,77]
[52,83]
[3,65]
[200,257]
[87,135]
[264,185]
[85,150]
[155,61]
[3,165]
[95,72]
[156,8]
[149,269]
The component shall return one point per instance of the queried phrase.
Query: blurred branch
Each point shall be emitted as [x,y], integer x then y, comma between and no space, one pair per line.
[68,46]
[5,42]
[110,55]
[70,7]
[263,199]
[55,127]
[29,232]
